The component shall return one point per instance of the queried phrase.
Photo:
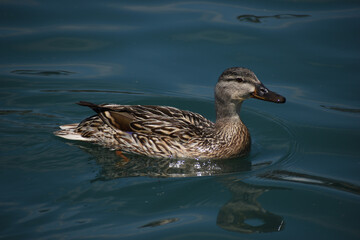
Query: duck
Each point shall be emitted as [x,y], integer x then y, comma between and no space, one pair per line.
[168,132]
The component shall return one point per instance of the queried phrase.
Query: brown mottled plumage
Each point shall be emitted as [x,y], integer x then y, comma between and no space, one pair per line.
[160,131]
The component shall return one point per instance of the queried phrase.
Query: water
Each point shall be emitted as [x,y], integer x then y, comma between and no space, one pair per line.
[301,179]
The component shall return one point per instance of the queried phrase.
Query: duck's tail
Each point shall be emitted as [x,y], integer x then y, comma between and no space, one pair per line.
[68,131]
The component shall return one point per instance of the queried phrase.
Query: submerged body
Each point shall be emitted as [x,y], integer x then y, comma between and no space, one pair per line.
[160,131]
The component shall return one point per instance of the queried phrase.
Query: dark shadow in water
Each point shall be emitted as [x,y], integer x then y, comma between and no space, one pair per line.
[283,175]
[242,213]
[43,72]
[259,19]
[340,109]
[92,91]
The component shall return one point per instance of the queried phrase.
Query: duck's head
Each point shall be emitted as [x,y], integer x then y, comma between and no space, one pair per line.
[238,84]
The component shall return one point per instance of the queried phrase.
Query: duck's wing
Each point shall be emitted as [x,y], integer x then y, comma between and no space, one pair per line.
[152,120]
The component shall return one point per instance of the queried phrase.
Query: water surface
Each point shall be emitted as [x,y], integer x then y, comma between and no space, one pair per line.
[300,180]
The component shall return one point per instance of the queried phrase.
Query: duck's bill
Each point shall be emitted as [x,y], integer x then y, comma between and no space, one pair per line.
[262,93]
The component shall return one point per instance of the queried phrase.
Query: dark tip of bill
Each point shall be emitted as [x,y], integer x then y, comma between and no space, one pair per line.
[281,100]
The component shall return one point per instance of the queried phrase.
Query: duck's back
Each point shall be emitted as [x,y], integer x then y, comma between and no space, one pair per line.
[147,130]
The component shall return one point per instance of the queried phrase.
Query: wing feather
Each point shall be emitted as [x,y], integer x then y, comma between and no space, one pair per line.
[152,120]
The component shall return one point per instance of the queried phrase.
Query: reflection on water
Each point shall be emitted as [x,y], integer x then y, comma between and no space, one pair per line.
[76,70]
[20,112]
[25,112]
[113,166]
[43,72]
[160,222]
[215,36]
[91,91]
[65,44]
[342,109]
[244,214]
[283,175]
[258,19]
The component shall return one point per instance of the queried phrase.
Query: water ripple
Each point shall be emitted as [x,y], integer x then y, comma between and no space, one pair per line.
[290,176]
[259,19]
[43,72]
[342,109]
[91,91]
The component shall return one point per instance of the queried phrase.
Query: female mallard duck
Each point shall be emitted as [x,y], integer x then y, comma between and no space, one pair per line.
[159,131]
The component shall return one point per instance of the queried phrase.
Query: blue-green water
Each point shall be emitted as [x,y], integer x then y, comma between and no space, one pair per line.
[301,179]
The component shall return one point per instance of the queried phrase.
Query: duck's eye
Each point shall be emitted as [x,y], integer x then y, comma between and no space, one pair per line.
[263,90]
[239,79]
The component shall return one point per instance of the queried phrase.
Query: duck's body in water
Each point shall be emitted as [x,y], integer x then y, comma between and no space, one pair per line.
[160,131]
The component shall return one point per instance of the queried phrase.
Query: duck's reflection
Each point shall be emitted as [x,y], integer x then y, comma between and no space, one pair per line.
[243,213]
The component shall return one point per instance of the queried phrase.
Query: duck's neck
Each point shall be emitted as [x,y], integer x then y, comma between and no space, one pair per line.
[230,130]
[227,112]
